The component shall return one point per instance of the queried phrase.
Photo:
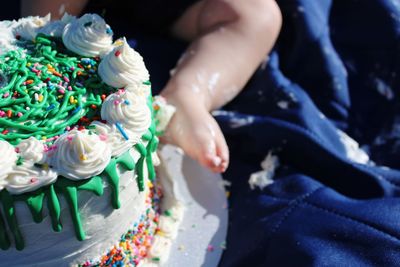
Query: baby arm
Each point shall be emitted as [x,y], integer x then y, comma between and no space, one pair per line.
[230,40]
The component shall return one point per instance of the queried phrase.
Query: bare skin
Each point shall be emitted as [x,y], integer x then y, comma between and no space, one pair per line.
[229,39]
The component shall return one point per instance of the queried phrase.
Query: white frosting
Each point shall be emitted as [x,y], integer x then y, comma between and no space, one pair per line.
[160,248]
[8,159]
[114,138]
[263,178]
[32,149]
[26,177]
[140,90]
[88,36]
[6,36]
[129,110]
[56,28]
[353,150]
[80,155]
[123,66]
[164,113]
[28,27]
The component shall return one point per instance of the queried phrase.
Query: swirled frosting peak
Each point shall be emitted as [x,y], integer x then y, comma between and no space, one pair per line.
[27,177]
[6,36]
[28,27]
[80,155]
[88,36]
[31,149]
[56,28]
[111,135]
[123,66]
[129,112]
[8,159]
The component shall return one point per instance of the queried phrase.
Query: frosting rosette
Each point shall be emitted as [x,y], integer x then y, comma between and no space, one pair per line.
[80,155]
[88,36]
[56,28]
[31,149]
[113,137]
[123,66]
[27,178]
[6,36]
[9,157]
[28,27]
[143,89]
[129,112]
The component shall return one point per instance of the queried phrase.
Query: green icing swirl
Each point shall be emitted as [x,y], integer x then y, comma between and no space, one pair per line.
[46,89]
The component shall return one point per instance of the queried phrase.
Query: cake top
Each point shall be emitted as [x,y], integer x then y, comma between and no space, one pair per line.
[71,99]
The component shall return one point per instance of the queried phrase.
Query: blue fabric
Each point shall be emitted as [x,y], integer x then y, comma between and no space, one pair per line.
[335,67]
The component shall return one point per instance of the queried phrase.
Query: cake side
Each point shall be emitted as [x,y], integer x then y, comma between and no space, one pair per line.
[102,223]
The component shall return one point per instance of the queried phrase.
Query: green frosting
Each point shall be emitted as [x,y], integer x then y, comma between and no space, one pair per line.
[46,89]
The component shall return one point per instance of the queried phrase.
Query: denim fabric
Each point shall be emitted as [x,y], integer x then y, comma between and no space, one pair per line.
[335,68]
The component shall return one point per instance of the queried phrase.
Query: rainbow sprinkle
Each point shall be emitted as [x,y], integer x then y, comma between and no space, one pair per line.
[133,246]
[122,131]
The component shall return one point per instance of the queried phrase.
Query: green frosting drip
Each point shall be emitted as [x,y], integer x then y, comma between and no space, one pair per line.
[71,195]
[53,204]
[9,210]
[128,163]
[4,239]
[139,172]
[70,191]
[113,179]
[151,147]
[35,204]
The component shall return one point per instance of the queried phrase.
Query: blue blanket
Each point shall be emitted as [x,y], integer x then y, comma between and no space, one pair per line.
[333,76]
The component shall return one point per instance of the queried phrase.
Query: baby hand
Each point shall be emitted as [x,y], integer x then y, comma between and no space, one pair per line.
[193,129]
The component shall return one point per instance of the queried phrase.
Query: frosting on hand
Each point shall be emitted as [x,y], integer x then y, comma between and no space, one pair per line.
[80,155]
[8,159]
[32,149]
[88,36]
[27,177]
[28,27]
[129,110]
[112,136]
[123,66]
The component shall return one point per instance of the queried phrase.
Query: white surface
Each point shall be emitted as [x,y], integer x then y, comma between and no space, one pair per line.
[205,219]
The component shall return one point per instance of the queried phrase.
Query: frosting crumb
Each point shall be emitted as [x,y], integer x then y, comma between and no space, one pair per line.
[263,178]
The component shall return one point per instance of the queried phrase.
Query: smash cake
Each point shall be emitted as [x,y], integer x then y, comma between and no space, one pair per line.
[78,141]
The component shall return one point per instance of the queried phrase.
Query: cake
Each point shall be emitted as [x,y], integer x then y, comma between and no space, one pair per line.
[78,139]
